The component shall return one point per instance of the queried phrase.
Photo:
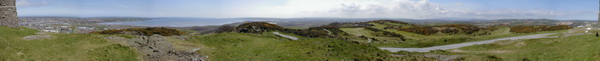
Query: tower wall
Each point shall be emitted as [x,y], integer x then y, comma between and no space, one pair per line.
[8,14]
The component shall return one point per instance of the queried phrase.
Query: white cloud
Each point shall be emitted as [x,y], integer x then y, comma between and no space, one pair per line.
[415,9]
[22,3]
[27,3]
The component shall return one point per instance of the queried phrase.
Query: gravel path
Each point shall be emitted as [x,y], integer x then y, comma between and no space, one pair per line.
[286,36]
[453,46]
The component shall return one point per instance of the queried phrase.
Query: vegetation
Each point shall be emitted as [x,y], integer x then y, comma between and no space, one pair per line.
[450,29]
[573,48]
[387,21]
[529,29]
[258,27]
[225,28]
[438,38]
[313,32]
[382,33]
[60,47]
[144,31]
[242,46]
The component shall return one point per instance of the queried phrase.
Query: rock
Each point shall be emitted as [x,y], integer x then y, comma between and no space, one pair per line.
[155,48]
[36,37]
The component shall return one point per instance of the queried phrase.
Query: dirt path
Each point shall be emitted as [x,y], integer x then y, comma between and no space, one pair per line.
[453,46]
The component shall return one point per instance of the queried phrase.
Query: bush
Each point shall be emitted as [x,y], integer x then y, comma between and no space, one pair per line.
[144,31]
[425,30]
[225,28]
[382,33]
[450,28]
[258,27]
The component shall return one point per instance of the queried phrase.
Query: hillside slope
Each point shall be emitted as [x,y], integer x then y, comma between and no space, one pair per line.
[573,48]
[29,44]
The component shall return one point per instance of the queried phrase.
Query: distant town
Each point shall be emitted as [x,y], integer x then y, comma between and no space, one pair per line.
[73,25]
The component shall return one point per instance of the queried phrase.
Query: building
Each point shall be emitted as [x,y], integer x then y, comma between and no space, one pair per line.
[8,14]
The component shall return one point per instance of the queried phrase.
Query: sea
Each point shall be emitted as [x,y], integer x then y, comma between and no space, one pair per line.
[177,22]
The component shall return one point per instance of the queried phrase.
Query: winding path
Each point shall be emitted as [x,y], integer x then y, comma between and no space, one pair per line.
[286,36]
[453,46]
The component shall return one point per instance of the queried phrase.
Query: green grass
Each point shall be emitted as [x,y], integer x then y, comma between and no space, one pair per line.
[266,47]
[418,40]
[356,32]
[60,47]
[573,48]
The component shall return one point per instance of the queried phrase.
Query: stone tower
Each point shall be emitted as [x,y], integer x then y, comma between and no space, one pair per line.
[8,14]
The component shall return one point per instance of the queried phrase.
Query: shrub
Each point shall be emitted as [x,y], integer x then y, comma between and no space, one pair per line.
[450,28]
[258,27]
[385,33]
[425,30]
[225,28]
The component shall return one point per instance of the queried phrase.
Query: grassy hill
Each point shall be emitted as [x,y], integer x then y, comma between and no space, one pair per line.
[573,48]
[420,40]
[266,46]
[60,47]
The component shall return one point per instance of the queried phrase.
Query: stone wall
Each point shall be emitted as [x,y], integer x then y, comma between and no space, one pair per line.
[8,14]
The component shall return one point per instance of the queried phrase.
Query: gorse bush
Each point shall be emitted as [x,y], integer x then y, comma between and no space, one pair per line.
[258,27]
[450,28]
[385,33]
[225,28]
[425,30]
[144,31]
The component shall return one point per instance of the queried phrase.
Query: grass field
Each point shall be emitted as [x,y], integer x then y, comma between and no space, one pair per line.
[418,40]
[60,47]
[573,48]
[266,46]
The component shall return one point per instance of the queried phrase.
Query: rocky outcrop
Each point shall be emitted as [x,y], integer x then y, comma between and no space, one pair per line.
[8,14]
[156,48]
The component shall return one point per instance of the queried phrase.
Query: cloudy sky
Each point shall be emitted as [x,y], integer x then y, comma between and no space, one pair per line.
[411,9]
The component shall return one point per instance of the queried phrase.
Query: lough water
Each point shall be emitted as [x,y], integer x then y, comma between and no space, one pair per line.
[176,22]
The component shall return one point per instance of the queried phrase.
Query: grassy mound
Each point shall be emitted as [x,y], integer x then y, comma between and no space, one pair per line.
[60,47]
[440,38]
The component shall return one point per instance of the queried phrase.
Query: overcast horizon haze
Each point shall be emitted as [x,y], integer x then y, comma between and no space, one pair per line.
[408,9]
